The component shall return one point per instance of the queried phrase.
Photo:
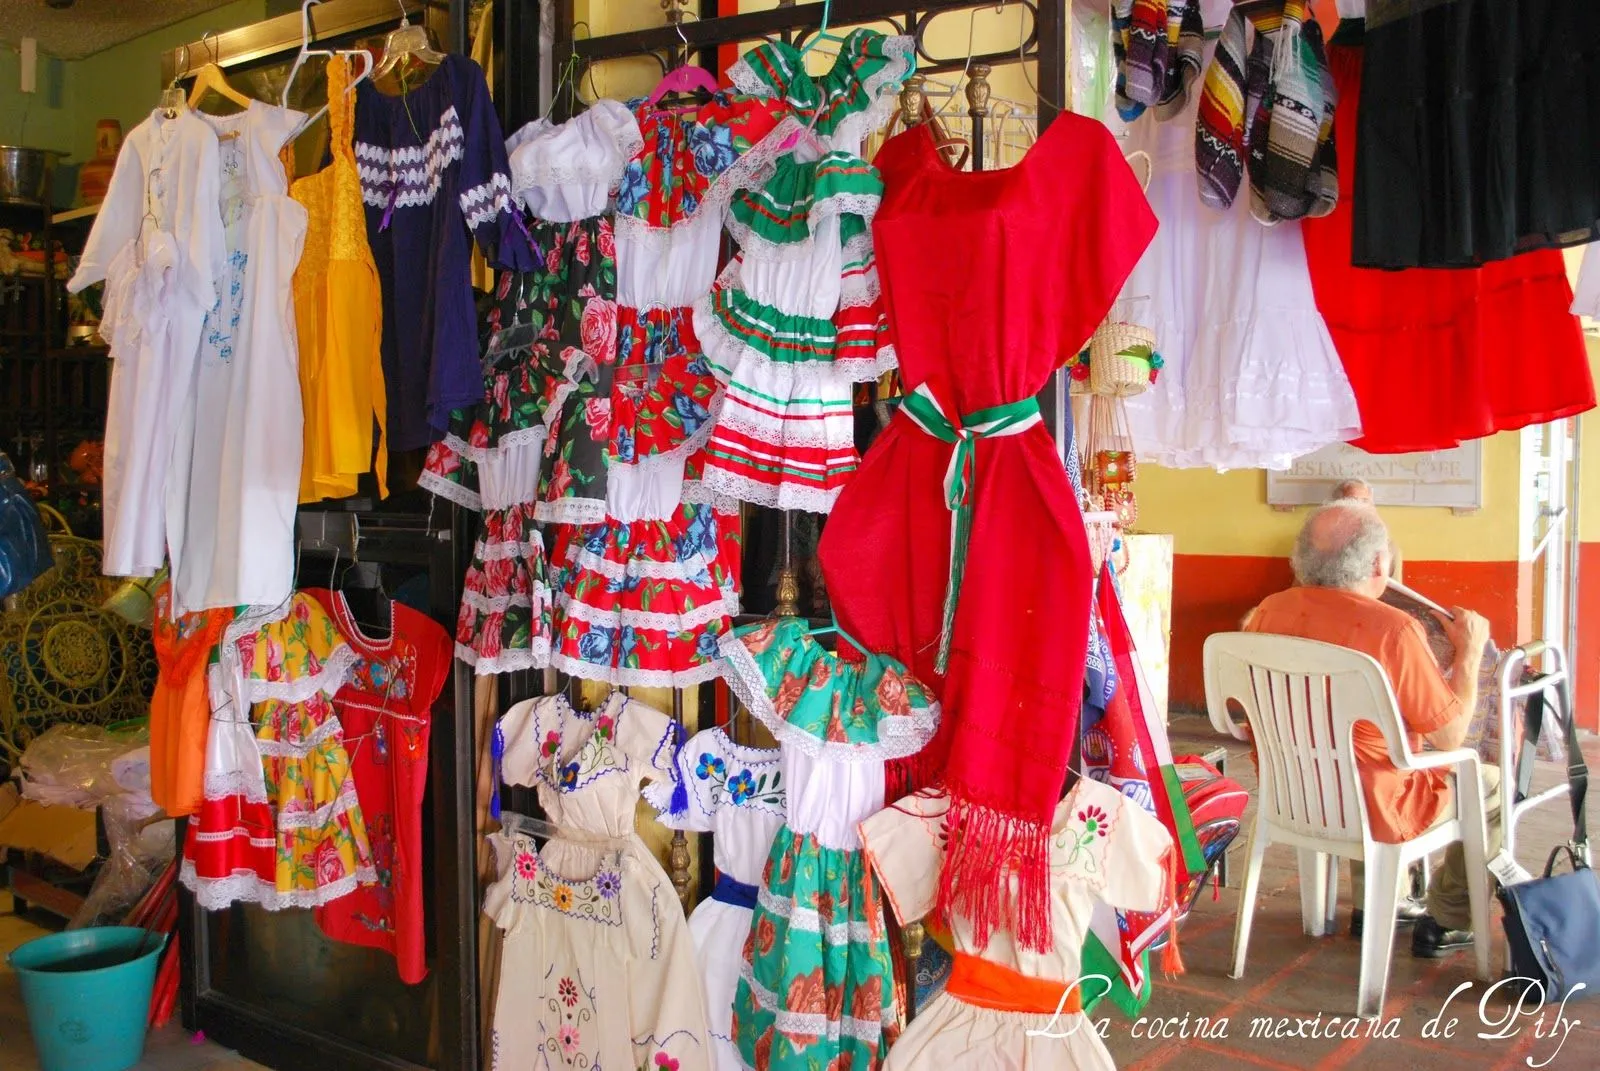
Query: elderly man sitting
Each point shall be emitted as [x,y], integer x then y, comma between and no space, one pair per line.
[1341,562]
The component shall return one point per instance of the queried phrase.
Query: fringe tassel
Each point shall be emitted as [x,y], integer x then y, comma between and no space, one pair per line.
[986,848]
[1171,959]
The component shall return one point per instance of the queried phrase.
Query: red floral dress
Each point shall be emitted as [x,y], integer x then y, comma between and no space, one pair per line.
[644,596]
[386,711]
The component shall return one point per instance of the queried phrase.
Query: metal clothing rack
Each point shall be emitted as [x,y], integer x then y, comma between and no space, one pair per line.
[701,39]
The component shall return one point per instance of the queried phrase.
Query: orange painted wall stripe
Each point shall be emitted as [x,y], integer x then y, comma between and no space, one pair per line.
[1212,593]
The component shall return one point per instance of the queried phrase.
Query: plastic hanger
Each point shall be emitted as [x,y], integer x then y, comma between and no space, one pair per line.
[306,51]
[822,33]
[682,79]
[211,79]
[406,41]
[173,99]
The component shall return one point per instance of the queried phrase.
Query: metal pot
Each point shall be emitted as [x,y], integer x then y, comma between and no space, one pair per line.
[25,174]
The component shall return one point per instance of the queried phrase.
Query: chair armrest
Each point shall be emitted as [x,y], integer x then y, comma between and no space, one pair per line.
[1432,760]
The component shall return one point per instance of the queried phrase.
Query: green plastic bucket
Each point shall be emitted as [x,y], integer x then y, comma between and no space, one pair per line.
[87,993]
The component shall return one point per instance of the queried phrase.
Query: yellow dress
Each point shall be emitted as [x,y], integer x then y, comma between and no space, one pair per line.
[339,314]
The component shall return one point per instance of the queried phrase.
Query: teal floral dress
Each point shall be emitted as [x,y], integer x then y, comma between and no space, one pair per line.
[816,990]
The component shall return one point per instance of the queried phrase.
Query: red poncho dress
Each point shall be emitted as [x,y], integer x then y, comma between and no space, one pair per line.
[991,281]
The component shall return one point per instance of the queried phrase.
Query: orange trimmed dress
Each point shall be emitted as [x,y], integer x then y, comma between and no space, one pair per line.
[180,709]
[339,315]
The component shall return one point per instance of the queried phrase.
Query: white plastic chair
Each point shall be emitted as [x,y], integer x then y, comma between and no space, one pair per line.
[1301,700]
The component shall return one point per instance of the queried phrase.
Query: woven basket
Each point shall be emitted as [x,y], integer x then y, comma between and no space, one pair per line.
[1119,359]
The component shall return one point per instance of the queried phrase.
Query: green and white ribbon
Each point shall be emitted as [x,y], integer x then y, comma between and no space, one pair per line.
[960,476]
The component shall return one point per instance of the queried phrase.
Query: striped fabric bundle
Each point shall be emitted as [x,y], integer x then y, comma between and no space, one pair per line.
[1268,108]
[1159,45]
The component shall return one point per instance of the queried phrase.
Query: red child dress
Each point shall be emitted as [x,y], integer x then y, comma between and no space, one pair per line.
[386,711]
[1436,356]
[991,281]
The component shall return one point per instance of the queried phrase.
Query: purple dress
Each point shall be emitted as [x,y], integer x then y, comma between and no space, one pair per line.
[433,167]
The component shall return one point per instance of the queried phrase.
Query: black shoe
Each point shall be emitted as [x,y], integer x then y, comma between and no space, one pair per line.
[1409,911]
[1432,941]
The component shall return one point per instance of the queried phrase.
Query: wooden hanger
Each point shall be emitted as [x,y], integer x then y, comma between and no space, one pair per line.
[211,79]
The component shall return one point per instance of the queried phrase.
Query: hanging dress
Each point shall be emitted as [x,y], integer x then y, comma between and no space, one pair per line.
[385,711]
[1479,135]
[1000,1006]
[157,244]
[774,333]
[597,965]
[735,793]
[239,468]
[1251,377]
[551,337]
[180,709]
[1427,350]
[646,593]
[338,307]
[817,982]
[281,825]
[434,178]
[992,280]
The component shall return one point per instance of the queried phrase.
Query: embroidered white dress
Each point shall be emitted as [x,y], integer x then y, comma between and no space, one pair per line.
[1104,849]
[1251,377]
[736,793]
[157,244]
[597,967]
[240,445]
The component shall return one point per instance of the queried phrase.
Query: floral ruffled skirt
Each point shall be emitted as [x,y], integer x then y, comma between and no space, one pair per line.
[504,623]
[818,958]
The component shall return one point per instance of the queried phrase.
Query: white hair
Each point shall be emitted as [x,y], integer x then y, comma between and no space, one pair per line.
[1343,558]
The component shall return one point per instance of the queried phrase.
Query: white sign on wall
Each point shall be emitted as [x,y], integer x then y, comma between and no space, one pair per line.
[1452,478]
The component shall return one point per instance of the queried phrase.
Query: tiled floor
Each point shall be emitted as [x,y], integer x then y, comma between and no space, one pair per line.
[1289,980]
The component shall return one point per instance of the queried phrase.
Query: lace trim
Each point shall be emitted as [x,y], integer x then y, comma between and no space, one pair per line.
[636,678]
[697,493]
[611,120]
[410,175]
[670,460]
[867,369]
[853,130]
[287,749]
[810,1024]
[511,551]
[215,894]
[486,201]
[860,289]
[835,934]
[727,353]
[899,735]
[834,432]
[535,657]
[320,817]
[499,604]
[785,495]
[581,512]
[643,570]
[752,169]
[327,680]
[449,490]
[697,618]
[220,785]
[759,247]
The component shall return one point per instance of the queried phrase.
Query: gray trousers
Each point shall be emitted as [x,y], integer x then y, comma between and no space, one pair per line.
[1448,902]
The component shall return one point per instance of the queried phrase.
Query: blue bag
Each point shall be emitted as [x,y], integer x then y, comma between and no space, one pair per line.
[24,547]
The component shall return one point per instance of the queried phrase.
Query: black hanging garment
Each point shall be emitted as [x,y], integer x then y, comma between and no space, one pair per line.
[1479,132]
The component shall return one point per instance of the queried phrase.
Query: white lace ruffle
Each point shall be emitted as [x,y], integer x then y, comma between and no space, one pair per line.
[728,355]
[810,1024]
[759,247]
[499,604]
[696,493]
[499,552]
[535,657]
[286,749]
[577,511]
[641,570]
[321,816]
[786,495]
[635,678]
[899,735]
[223,784]
[244,887]
[865,370]
[853,130]
[697,618]
[449,490]
[328,680]
[835,432]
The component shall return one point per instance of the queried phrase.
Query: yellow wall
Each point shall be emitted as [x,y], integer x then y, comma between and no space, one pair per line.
[1227,513]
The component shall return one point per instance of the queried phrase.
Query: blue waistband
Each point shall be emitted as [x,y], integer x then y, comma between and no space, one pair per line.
[734,892]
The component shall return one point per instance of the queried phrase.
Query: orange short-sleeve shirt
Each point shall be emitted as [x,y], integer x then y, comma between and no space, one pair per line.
[1399,805]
